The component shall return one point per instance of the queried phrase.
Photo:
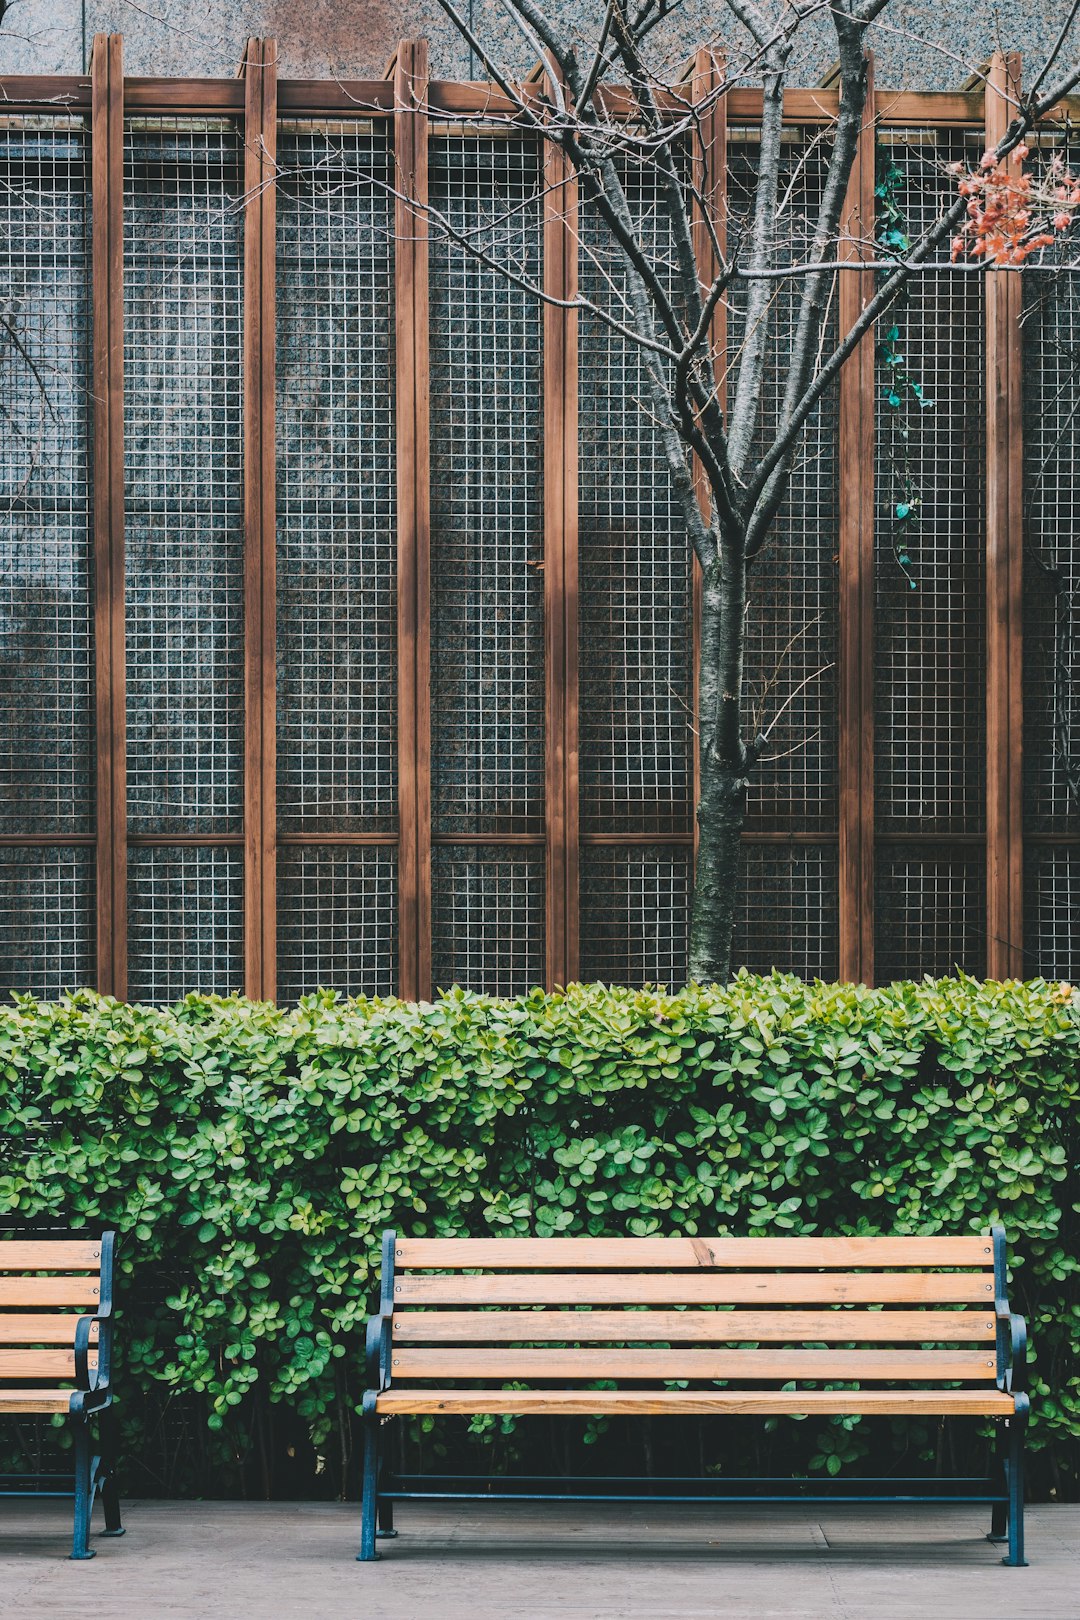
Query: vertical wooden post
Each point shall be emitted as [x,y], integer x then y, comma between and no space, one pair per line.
[1004,582]
[856,651]
[107,186]
[414,519]
[561,567]
[709,169]
[260,542]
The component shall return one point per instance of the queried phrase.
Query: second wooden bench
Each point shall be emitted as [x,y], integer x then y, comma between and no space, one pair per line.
[911,1326]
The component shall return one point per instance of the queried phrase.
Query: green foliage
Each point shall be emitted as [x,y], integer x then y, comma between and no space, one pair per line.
[251,1157]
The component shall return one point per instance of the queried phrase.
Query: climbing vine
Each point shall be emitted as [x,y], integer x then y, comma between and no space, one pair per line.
[902,393]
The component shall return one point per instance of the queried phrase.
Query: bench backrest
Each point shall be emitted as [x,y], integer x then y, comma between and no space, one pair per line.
[567,1310]
[46,1285]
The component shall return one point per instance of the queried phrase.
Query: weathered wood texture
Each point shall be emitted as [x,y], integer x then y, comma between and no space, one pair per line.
[669,1254]
[107,187]
[855,758]
[17,1254]
[697,1288]
[680,1326]
[1004,577]
[260,525]
[410,83]
[696,1403]
[561,568]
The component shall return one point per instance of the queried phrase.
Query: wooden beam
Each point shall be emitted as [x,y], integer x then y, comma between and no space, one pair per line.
[709,221]
[561,567]
[414,520]
[107,187]
[260,541]
[856,650]
[1004,578]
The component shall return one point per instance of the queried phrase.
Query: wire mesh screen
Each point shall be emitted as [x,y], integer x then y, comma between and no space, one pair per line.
[1051,566]
[337,544]
[487,918]
[635,606]
[1052,912]
[337,920]
[47,903]
[185,921]
[487,542]
[930,911]
[46,633]
[1051,754]
[1051,338]
[930,519]
[791,628]
[788,915]
[183,423]
[634,905]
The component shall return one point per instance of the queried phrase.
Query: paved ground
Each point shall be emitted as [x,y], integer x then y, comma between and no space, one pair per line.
[295,1561]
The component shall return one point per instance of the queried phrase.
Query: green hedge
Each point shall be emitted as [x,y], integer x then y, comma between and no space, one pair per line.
[252,1156]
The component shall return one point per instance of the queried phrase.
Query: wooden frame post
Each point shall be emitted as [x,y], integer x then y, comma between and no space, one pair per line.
[1004,578]
[107,184]
[562,930]
[410,76]
[709,170]
[260,521]
[856,549]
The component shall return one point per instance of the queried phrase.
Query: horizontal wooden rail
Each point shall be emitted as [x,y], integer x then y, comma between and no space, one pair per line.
[695,1327]
[374,98]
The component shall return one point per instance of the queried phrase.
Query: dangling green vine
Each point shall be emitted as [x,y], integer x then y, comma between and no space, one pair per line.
[902,393]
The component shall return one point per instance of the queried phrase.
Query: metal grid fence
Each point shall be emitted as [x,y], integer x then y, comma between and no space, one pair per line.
[337,608]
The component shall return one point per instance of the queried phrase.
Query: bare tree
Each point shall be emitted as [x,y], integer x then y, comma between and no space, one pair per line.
[708,408]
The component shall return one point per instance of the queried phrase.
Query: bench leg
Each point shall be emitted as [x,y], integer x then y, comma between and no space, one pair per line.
[110,1495]
[1015,1465]
[84,1492]
[370,1489]
[999,1513]
[386,1531]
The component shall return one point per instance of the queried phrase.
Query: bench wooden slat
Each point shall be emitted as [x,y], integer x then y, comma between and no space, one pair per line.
[39,1363]
[777,1327]
[700,1288]
[570,1254]
[46,1255]
[40,1329]
[599,1402]
[49,1290]
[34,1400]
[919,1366]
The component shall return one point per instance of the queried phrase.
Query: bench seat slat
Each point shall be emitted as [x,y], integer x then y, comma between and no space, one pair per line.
[40,1329]
[573,1254]
[699,1288]
[50,1290]
[50,1364]
[46,1255]
[724,1327]
[925,1366]
[601,1402]
[34,1400]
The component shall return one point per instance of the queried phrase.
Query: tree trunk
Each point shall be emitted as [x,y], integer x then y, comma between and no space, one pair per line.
[721,813]
[724,763]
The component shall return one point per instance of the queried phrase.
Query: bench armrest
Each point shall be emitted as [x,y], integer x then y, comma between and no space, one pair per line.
[100,1379]
[1016,1370]
[377,1352]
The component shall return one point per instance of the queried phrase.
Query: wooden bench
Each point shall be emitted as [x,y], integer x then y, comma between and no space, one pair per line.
[56,1356]
[913,1326]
